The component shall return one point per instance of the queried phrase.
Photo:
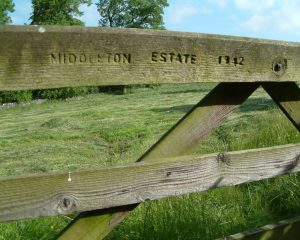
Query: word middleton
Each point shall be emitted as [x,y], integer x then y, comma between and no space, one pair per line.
[85,58]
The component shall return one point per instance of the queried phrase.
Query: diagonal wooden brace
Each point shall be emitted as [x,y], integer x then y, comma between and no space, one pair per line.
[182,138]
[287,97]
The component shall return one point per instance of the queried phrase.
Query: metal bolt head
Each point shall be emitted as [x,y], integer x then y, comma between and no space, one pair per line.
[279,66]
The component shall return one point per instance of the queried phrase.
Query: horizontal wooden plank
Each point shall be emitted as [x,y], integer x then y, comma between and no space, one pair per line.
[61,56]
[284,230]
[44,195]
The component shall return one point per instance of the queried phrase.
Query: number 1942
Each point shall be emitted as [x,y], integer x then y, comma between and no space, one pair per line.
[231,60]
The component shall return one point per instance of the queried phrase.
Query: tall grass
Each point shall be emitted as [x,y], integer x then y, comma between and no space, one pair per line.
[213,214]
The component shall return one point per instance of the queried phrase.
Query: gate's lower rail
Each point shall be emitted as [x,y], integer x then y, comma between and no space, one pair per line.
[284,230]
[62,193]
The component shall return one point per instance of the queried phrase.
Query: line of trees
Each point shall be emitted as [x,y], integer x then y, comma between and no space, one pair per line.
[112,13]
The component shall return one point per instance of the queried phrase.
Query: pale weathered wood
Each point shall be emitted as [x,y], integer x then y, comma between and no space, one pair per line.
[53,194]
[208,114]
[287,97]
[284,230]
[61,56]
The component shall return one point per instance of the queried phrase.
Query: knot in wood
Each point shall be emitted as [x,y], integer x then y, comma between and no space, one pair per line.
[66,204]
[223,158]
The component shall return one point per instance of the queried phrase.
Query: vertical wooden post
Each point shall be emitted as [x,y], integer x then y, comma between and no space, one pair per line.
[208,114]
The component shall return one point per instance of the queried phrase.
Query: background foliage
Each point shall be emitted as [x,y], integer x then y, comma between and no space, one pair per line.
[132,13]
[57,12]
[6,6]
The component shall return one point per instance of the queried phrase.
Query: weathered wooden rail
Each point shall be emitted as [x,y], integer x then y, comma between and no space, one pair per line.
[45,57]
[36,57]
[286,229]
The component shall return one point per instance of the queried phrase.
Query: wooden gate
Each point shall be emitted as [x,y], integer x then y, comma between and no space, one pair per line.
[39,57]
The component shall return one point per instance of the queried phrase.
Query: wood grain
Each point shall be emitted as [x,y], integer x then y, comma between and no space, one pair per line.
[284,230]
[53,194]
[287,97]
[62,56]
[208,114]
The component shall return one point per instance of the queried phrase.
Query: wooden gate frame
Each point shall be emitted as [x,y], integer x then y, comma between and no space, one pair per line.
[51,56]
[193,128]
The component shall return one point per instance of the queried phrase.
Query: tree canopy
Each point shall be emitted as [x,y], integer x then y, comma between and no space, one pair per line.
[6,6]
[132,13]
[63,12]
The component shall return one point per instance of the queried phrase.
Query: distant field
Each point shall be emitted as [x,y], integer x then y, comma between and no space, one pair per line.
[106,129]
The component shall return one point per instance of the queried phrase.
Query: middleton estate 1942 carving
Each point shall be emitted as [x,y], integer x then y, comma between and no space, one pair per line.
[91,58]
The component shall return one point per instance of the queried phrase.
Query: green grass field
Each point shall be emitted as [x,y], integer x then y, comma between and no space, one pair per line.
[105,129]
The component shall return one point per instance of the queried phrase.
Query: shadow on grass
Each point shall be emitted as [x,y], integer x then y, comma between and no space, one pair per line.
[180,108]
[190,88]
[252,104]
[186,91]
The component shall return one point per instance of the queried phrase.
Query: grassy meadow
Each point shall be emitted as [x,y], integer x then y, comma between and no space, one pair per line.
[109,129]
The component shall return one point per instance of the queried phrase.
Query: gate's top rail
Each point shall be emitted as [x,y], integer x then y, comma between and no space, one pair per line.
[55,56]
